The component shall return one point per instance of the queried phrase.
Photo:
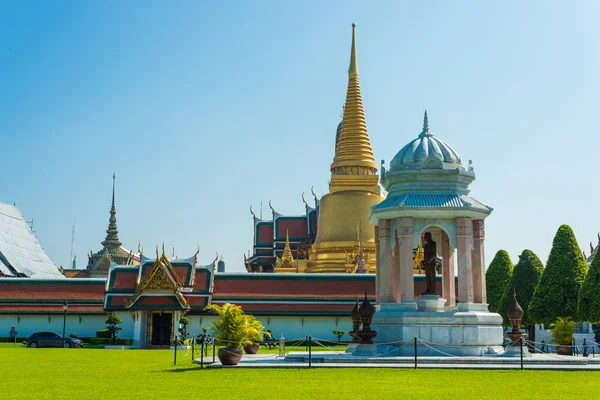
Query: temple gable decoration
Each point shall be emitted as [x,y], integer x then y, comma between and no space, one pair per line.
[163,283]
[160,278]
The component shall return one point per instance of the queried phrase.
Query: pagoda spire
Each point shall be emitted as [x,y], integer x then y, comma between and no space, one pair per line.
[353,148]
[425,131]
[112,233]
[287,251]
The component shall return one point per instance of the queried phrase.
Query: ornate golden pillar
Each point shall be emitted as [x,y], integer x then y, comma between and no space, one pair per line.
[478,260]
[384,258]
[448,288]
[405,237]
[464,227]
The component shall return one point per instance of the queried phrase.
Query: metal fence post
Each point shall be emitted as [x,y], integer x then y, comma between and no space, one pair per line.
[175,355]
[415,352]
[193,347]
[521,346]
[213,349]
[309,351]
[202,352]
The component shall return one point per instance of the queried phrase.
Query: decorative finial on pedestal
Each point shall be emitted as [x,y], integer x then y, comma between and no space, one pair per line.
[366,315]
[515,315]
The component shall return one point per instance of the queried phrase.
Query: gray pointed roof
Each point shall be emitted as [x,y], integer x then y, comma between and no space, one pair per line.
[20,252]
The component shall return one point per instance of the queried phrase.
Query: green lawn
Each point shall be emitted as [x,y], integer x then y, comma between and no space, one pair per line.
[150,374]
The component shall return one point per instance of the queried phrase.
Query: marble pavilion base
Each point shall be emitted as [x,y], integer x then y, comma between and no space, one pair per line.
[365,350]
[351,347]
[467,330]
[515,351]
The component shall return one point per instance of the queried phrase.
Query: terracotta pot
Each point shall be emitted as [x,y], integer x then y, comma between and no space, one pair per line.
[564,349]
[252,349]
[231,356]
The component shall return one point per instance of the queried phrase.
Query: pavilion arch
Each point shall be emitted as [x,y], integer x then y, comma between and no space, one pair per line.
[447,226]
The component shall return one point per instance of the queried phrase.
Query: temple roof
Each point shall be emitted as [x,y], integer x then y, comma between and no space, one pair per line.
[431,201]
[20,253]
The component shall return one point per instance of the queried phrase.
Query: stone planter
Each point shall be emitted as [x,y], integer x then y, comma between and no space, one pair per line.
[252,349]
[230,356]
[564,349]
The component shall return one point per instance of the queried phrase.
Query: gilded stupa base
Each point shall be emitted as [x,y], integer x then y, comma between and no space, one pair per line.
[340,258]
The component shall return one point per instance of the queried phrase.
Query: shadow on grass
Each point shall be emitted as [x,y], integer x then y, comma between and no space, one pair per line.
[181,369]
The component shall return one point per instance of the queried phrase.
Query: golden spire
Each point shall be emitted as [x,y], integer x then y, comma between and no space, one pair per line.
[287,252]
[353,153]
[287,259]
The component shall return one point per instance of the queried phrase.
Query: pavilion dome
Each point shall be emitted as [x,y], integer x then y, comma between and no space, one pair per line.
[426,151]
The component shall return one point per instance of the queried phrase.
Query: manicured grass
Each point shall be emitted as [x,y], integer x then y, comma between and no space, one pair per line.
[150,374]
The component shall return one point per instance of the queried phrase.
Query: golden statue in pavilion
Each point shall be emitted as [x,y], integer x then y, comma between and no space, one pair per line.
[353,189]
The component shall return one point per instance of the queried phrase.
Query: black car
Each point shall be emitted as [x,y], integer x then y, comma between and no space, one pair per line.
[51,339]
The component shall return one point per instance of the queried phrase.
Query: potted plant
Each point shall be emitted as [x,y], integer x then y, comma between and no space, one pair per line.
[562,333]
[256,334]
[232,331]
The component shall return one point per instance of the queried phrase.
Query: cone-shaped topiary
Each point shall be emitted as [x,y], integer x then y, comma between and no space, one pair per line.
[497,278]
[558,290]
[524,279]
[589,296]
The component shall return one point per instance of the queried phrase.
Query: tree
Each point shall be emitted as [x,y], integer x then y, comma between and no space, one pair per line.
[588,308]
[524,280]
[184,322]
[497,278]
[557,291]
[111,325]
[339,333]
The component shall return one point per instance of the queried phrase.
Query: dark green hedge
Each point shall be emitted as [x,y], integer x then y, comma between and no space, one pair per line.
[525,278]
[558,290]
[103,333]
[497,278]
[105,341]
[588,308]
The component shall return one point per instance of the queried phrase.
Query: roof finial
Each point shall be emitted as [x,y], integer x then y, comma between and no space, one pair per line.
[353,70]
[425,122]
[112,233]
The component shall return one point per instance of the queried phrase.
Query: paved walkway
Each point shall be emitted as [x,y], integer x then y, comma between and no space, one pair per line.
[341,360]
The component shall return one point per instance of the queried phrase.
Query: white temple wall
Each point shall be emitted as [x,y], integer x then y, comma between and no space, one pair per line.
[84,326]
[292,327]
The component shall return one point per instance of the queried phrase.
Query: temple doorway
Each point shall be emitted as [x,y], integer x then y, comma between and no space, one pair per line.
[161,327]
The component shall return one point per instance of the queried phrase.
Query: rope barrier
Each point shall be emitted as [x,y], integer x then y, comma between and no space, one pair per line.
[434,349]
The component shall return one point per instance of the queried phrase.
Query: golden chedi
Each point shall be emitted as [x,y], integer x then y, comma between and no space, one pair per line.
[353,189]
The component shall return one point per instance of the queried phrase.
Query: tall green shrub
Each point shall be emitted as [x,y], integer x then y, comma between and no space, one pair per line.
[557,292]
[525,278]
[497,278]
[588,308]
[111,325]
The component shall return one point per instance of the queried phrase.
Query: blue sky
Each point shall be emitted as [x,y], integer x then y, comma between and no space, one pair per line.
[204,108]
